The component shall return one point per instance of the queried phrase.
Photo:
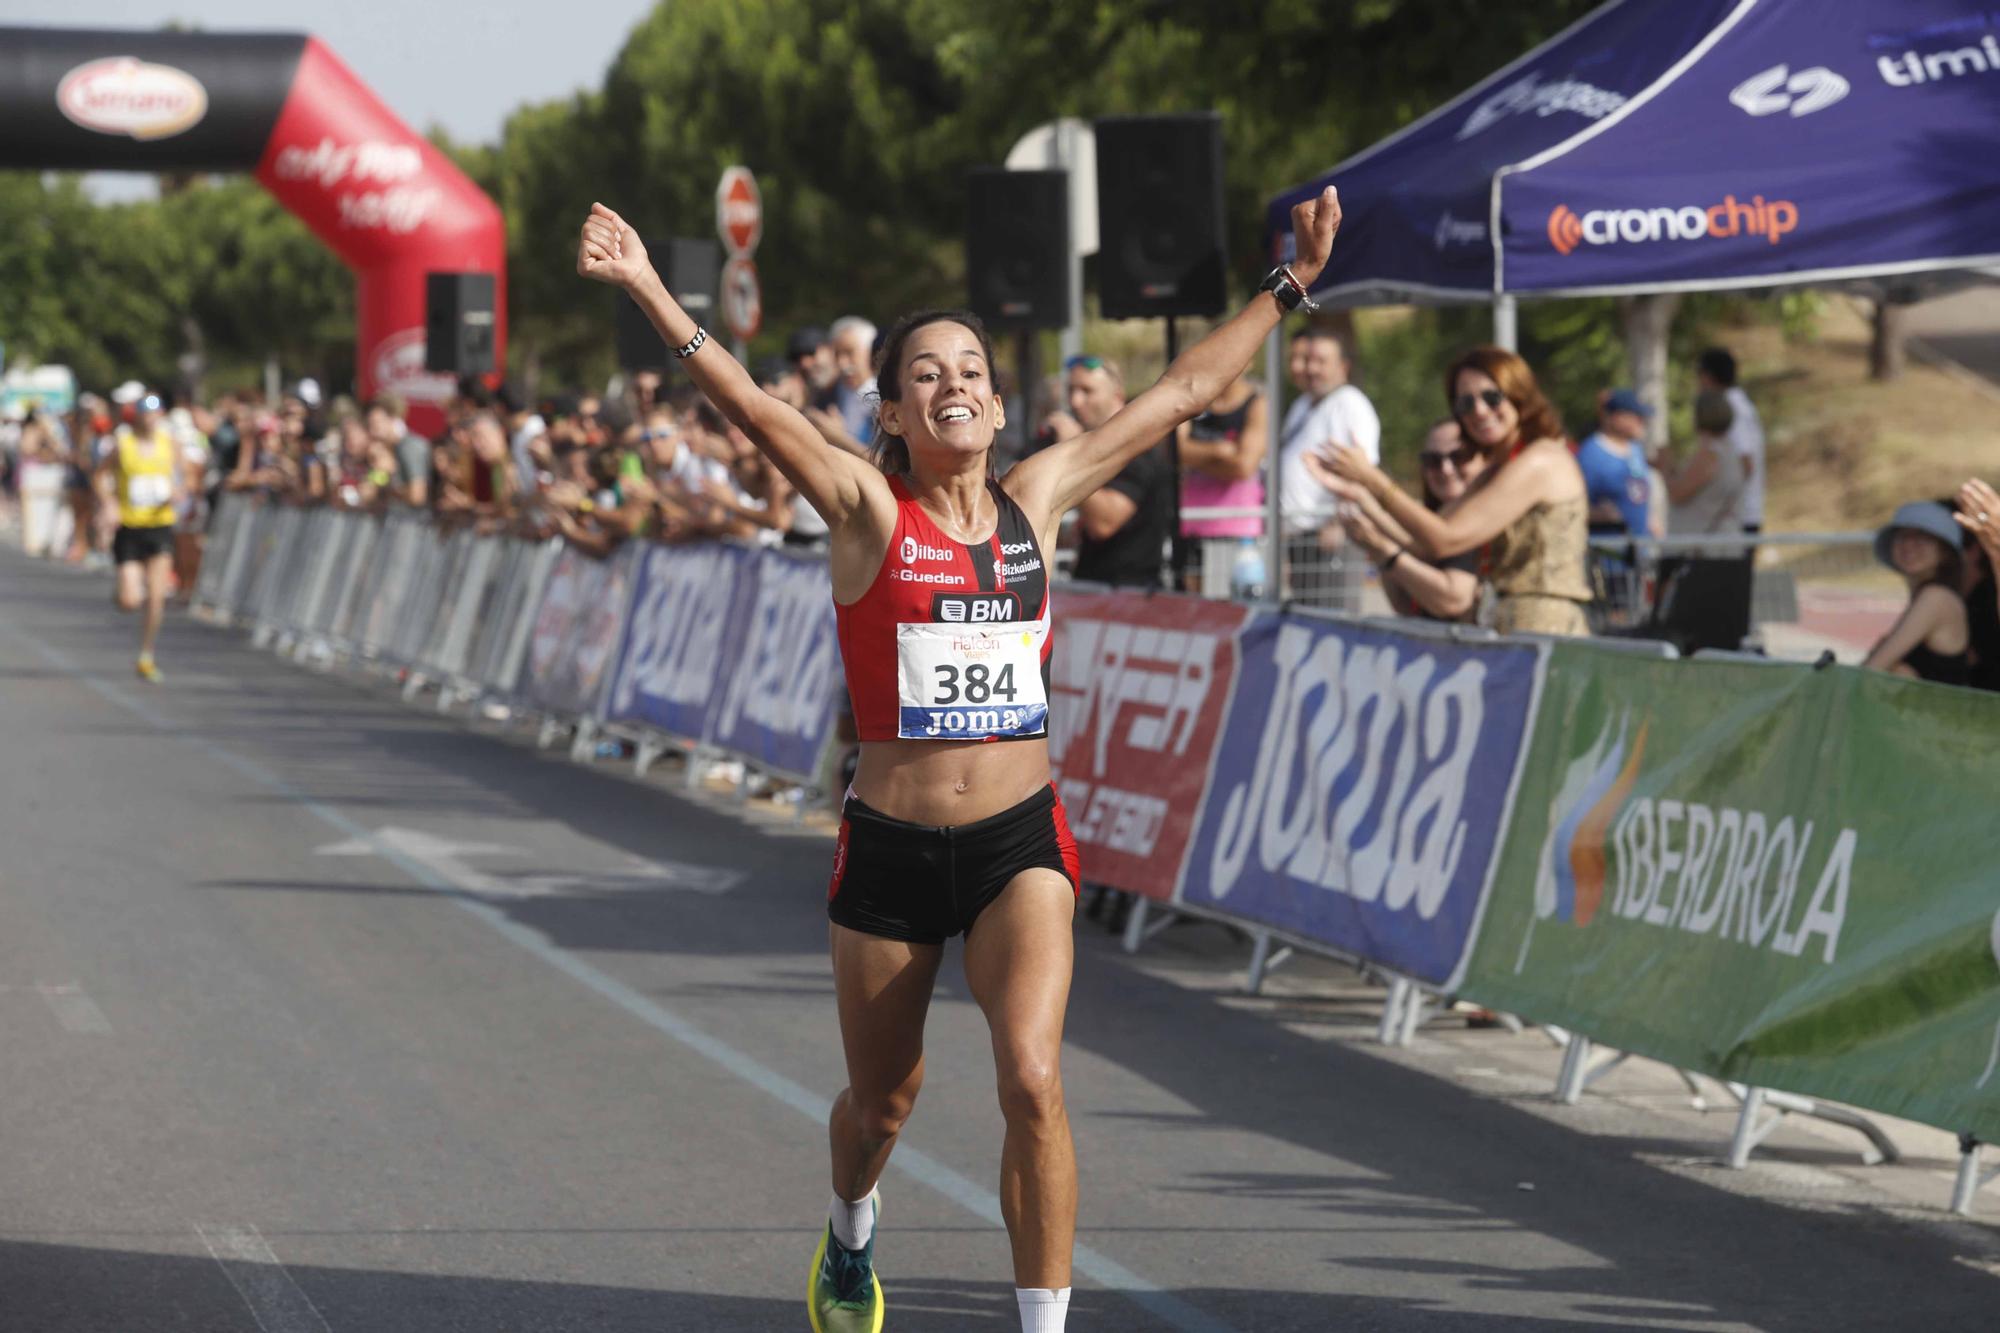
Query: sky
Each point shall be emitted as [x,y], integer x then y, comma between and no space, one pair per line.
[462,64]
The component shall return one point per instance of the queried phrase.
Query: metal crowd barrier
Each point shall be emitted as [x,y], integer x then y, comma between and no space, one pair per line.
[447,608]
[457,610]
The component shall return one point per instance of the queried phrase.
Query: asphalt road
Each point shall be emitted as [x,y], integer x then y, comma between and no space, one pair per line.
[318,1012]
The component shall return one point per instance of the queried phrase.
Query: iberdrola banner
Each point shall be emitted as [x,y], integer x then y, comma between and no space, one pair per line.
[1779,875]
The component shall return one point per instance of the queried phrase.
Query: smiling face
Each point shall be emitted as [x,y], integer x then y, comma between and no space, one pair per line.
[1488,425]
[944,401]
[1916,555]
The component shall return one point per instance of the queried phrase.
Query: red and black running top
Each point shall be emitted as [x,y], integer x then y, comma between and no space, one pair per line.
[951,640]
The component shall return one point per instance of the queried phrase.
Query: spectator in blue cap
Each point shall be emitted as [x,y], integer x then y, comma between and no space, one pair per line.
[1616,475]
[1932,638]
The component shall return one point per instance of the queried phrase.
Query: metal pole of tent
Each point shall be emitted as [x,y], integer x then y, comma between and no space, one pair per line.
[1506,324]
[1179,545]
[1274,420]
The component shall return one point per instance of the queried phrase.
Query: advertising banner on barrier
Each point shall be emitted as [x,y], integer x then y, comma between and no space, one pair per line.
[1761,873]
[1360,788]
[785,678]
[681,644]
[576,631]
[1138,688]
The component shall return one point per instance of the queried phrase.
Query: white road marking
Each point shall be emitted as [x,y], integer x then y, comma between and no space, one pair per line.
[448,859]
[275,1301]
[911,1161]
[76,1011]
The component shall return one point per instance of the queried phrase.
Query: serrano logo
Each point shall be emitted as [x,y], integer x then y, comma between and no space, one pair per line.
[125,95]
[399,365]
[1684,866]
[1772,219]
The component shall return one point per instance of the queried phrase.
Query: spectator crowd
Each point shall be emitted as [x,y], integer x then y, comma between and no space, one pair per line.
[1500,532]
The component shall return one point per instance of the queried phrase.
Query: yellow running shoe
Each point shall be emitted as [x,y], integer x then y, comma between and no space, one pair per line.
[147,671]
[843,1294]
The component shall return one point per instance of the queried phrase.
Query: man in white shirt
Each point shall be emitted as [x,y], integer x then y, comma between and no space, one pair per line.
[1717,370]
[1328,411]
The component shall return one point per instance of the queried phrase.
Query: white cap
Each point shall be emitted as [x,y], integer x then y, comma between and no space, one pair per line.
[131,391]
[308,392]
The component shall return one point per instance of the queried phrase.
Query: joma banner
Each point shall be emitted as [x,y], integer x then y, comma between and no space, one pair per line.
[1771,874]
[682,638]
[1360,788]
[1138,689]
[785,678]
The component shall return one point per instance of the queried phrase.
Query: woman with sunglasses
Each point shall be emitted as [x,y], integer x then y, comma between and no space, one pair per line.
[940,590]
[1528,508]
[1442,590]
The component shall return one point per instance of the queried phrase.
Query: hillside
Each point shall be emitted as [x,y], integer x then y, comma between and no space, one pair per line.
[1844,450]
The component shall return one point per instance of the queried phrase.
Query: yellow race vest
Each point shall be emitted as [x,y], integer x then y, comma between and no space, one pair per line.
[146,479]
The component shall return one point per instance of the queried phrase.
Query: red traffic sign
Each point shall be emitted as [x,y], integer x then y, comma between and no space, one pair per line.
[742,297]
[739,211]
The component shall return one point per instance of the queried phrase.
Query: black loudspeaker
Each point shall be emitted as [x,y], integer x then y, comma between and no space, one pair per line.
[1160,248]
[458,323]
[692,269]
[1017,247]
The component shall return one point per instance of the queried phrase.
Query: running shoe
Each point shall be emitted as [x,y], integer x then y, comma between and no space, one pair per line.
[843,1294]
[147,671]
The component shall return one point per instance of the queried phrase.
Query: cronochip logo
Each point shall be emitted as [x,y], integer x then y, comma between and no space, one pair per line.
[1778,89]
[125,95]
[1772,219]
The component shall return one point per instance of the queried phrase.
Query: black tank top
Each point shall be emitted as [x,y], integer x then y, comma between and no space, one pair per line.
[1955,669]
[1213,425]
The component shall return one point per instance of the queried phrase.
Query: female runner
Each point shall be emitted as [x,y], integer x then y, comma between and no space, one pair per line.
[941,599]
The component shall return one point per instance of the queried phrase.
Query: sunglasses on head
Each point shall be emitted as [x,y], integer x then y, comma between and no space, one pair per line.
[1084,363]
[1465,402]
[1458,457]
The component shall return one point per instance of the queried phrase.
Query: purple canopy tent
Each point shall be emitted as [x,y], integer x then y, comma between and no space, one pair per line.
[1664,146]
[1695,145]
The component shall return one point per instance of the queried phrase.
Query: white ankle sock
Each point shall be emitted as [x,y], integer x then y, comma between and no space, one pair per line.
[853,1223]
[1042,1310]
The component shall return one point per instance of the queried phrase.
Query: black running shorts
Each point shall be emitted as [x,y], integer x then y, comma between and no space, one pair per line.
[925,883]
[142,544]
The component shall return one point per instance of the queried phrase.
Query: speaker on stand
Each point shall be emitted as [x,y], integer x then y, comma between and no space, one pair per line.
[1161,251]
[691,267]
[458,323]
[1017,261]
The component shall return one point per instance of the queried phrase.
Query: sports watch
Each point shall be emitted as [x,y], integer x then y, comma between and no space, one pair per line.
[1291,293]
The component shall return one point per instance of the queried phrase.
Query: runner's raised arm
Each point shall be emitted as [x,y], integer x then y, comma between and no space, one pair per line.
[832,481]
[1063,475]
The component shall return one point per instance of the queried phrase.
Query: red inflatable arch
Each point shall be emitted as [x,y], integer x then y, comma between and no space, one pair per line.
[283,106]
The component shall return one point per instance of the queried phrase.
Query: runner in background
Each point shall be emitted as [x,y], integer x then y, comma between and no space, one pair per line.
[141,472]
[940,587]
